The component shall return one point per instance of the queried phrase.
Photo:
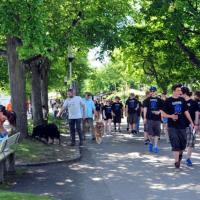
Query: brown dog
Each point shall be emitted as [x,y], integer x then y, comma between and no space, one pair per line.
[99,131]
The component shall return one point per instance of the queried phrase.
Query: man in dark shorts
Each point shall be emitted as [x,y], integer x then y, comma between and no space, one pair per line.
[117,110]
[152,117]
[146,135]
[194,113]
[176,110]
[197,98]
[132,105]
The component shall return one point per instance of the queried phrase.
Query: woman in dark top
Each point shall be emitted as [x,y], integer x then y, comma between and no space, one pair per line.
[107,116]
[98,108]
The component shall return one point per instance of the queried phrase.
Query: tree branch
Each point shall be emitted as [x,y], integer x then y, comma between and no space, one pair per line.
[188,52]
[74,23]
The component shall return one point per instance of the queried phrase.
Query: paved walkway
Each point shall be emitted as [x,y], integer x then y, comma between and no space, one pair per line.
[119,169]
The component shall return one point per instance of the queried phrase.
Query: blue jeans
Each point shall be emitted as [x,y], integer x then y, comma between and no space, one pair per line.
[75,125]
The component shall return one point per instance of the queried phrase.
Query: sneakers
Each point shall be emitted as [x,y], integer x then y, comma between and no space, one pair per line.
[150,147]
[134,132]
[155,150]
[146,141]
[177,165]
[189,162]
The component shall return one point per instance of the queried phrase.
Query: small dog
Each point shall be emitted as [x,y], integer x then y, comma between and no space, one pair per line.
[99,131]
[47,131]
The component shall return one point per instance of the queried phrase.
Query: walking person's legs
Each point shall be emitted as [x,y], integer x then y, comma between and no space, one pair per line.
[190,145]
[105,126]
[78,128]
[109,125]
[91,127]
[72,131]
[84,128]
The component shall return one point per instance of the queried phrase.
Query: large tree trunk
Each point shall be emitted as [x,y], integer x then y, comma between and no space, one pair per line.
[44,83]
[17,85]
[36,95]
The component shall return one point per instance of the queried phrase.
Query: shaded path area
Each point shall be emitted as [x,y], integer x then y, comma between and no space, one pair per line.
[119,169]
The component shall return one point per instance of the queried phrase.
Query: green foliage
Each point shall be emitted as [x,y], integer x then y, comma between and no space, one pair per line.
[4,82]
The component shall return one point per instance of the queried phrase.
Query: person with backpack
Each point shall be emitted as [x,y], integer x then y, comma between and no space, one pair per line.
[132,105]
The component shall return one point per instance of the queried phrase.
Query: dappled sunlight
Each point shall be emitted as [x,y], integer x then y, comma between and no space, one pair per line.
[121,164]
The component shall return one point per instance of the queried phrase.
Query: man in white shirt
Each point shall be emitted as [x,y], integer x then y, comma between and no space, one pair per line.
[76,110]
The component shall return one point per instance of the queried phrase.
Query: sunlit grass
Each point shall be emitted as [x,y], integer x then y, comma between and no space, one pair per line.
[21,196]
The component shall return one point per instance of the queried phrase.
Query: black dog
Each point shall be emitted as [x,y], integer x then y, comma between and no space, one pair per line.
[47,131]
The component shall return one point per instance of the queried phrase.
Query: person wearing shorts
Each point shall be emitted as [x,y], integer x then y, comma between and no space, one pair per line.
[197,99]
[146,135]
[90,111]
[194,113]
[117,110]
[176,110]
[107,116]
[98,110]
[132,105]
[152,117]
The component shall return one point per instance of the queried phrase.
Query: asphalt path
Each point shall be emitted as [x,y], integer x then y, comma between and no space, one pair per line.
[121,168]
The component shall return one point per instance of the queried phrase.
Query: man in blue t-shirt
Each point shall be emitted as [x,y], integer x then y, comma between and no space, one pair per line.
[90,110]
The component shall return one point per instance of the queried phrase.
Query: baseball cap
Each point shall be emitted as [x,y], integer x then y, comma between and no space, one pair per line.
[152,89]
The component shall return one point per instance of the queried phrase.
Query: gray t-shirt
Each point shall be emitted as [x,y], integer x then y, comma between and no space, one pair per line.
[74,106]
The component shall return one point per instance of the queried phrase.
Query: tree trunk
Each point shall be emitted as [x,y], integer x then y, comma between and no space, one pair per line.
[17,85]
[36,95]
[44,83]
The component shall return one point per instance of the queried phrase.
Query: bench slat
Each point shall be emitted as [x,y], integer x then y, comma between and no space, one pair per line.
[5,144]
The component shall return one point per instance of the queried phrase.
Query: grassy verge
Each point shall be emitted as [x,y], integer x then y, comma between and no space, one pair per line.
[21,196]
[30,150]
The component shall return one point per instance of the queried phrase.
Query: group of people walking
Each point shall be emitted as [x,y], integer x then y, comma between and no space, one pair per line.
[178,114]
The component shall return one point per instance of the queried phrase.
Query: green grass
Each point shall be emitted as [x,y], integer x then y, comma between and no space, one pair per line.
[32,150]
[21,196]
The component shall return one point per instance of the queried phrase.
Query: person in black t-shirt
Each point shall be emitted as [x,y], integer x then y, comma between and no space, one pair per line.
[132,105]
[194,113]
[152,117]
[176,110]
[197,98]
[107,116]
[98,109]
[117,110]
[139,111]
[146,135]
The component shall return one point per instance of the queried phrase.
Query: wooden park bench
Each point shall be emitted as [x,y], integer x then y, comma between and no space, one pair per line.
[7,155]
